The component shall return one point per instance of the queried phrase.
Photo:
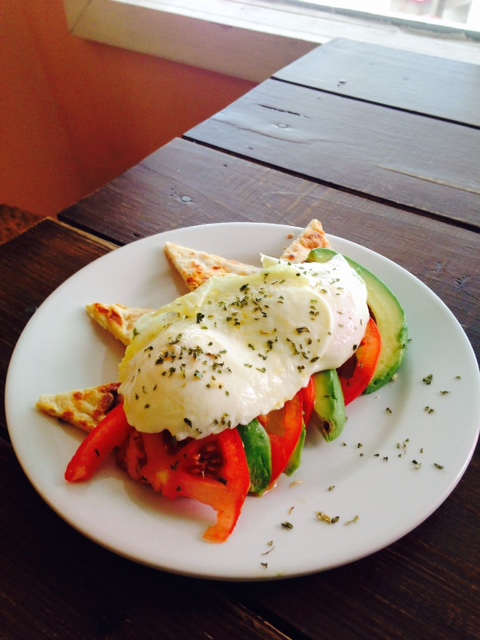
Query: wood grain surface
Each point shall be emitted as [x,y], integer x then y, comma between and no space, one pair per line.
[399,157]
[392,77]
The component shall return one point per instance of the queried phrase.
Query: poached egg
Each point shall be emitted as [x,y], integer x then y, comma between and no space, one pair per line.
[241,346]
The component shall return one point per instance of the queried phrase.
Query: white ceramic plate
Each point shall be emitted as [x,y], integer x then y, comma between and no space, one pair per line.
[379,494]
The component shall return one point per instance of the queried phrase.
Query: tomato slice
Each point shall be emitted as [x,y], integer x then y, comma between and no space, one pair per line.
[357,372]
[284,427]
[308,397]
[112,432]
[213,471]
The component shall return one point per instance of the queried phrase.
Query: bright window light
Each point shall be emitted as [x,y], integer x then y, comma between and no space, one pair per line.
[464,14]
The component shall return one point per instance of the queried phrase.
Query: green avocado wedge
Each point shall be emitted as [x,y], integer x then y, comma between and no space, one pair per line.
[387,312]
[259,455]
[329,415]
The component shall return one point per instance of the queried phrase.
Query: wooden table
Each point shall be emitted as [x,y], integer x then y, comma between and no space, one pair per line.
[382,146]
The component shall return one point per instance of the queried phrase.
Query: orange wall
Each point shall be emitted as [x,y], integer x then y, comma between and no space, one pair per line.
[74,114]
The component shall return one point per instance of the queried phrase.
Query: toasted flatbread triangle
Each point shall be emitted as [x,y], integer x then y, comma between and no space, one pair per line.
[196,267]
[83,408]
[117,319]
[312,237]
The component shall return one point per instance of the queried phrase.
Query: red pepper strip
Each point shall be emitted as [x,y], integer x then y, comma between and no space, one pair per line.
[212,470]
[308,397]
[112,432]
[284,427]
[357,372]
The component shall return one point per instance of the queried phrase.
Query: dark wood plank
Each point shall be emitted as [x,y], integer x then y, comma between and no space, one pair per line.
[399,157]
[57,585]
[186,184]
[419,83]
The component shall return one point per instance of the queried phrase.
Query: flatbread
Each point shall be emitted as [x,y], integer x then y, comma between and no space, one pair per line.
[312,237]
[196,267]
[84,408]
[117,319]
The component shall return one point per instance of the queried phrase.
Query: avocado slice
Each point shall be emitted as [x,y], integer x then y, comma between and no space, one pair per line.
[387,312]
[296,459]
[329,415]
[259,455]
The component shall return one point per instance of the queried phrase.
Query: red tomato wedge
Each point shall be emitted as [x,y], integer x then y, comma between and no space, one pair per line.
[308,397]
[357,372]
[213,471]
[284,427]
[111,433]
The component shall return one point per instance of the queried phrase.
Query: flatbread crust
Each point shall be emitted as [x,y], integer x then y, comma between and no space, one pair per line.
[312,237]
[117,319]
[84,408]
[196,267]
